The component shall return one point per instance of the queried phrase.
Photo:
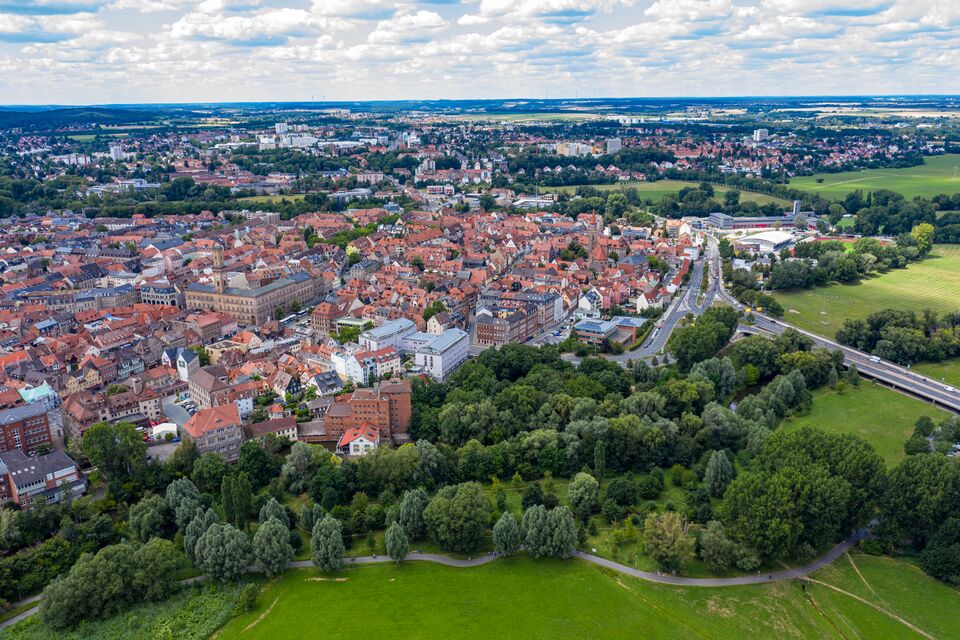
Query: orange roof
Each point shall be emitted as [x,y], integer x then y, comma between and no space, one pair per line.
[206,420]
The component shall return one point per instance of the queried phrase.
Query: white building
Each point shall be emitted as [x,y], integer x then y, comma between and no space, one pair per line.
[442,355]
[389,334]
[614,145]
[760,135]
[280,128]
[359,441]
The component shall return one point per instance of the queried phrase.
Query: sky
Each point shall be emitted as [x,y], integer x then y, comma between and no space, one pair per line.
[130,51]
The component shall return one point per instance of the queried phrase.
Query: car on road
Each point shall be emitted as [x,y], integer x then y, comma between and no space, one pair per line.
[874,359]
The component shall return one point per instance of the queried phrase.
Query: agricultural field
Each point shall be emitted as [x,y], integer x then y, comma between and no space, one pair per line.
[939,174]
[933,283]
[882,417]
[858,596]
[656,190]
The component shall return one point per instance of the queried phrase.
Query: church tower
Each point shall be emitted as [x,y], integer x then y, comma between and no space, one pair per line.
[219,272]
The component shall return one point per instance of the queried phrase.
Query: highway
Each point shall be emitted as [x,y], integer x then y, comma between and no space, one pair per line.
[883,371]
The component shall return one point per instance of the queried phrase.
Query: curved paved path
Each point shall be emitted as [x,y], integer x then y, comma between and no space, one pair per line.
[661,578]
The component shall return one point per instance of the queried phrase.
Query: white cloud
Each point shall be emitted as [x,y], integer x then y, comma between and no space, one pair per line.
[101,50]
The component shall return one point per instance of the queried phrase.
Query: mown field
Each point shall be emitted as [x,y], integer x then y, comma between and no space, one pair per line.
[656,190]
[882,417]
[939,174]
[933,283]
[524,598]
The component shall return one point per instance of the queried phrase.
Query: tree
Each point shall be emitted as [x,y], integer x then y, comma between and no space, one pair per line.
[716,549]
[600,459]
[396,542]
[536,531]
[411,513]
[326,544]
[197,527]
[242,499]
[227,487]
[208,472]
[156,565]
[148,518]
[506,535]
[667,541]
[923,233]
[563,536]
[719,474]
[223,552]
[582,494]
[271,547]
[298,466]
[457,516]
[309,516]
[275,510]
[117,449]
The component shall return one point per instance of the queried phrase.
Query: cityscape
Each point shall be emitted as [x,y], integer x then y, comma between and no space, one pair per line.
[544,353]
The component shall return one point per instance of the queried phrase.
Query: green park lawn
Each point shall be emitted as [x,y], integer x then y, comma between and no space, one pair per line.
[656,190]
[937,175]
[947,371]
[262,200]
[882,417]
[932,283]
[525,598]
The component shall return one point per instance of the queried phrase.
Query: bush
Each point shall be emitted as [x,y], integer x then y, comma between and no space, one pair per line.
[248,597]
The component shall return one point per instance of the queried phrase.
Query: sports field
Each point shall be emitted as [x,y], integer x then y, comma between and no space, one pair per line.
[882,417]
[932,283]
[656,190]
[524,598]
[939,174]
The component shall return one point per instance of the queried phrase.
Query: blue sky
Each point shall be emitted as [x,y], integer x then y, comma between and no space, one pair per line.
[101,51]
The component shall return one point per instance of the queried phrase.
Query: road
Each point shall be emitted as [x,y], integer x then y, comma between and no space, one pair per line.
[660,578]
[888,373]
[684,303]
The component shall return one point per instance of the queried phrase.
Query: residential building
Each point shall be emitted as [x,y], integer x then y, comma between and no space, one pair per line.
[359,441]
[24,428]
[217,430]
[52,476]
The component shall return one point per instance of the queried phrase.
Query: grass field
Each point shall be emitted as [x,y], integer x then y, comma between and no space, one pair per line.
[882,417]
[933,283]
[947,371]
[523,598]
[656,190]
[939,174]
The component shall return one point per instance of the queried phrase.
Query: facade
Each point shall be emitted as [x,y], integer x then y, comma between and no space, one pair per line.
[359,441]
[160,293]
[498,326]
[24,428]
[217,430]
[53,476]
[390,334]
[619,329]
[444,353]
[386,407]
[208,385]
[725,222]
[250,306]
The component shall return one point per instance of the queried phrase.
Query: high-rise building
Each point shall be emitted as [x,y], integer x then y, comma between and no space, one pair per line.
[614,145]
[760,135]
[281,128]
